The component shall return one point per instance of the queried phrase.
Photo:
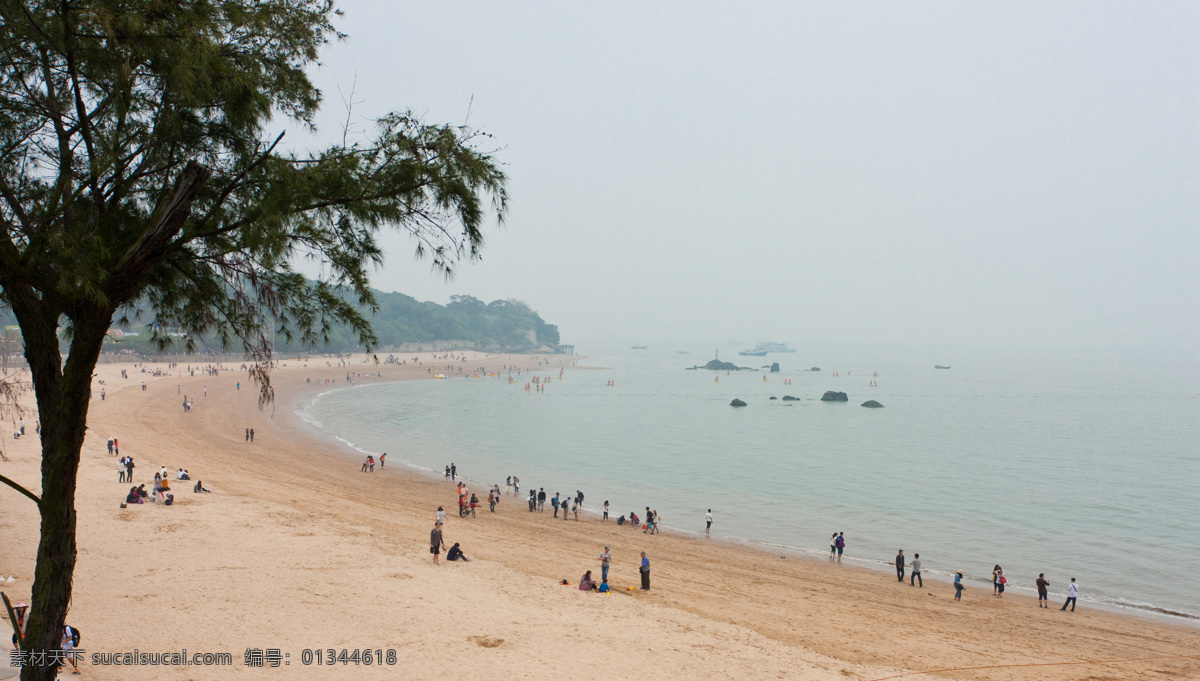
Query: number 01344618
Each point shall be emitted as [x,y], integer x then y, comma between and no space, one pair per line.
[345,656]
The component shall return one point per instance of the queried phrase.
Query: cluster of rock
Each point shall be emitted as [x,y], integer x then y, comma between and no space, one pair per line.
[829,396]
[718,365]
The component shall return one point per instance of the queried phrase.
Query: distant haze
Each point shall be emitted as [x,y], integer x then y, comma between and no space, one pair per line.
[1004,173]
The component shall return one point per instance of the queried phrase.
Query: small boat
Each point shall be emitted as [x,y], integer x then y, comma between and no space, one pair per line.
[637,347]
[939,366]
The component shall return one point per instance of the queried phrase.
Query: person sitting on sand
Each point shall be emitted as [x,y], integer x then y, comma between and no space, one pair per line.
[603,588]
[133,497]
[183,475]
[586,583]
[455,553]
[633,518]
[200,487]
[141,490]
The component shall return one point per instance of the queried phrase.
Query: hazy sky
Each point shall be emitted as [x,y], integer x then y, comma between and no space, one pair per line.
[1005,173]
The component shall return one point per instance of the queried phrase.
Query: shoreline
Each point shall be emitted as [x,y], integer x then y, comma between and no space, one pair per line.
[1150,612]
[296,548]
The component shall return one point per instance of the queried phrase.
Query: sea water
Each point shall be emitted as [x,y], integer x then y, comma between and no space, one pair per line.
[1085,467]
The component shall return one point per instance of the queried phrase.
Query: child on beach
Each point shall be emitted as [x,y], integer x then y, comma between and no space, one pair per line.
[958,586]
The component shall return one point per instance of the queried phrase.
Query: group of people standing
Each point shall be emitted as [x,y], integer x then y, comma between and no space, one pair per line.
[999,581]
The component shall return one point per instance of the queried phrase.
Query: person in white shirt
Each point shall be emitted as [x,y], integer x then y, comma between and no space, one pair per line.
[1072,592]
[708,521]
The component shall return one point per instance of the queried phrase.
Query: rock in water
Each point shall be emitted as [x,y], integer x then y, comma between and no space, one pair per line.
[737,403]
[831,396]
[815,369]
[718,365]
[789,398]
[775,367]
[872,404]
[773,397]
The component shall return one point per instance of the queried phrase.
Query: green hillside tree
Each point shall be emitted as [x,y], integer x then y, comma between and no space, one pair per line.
[140,167]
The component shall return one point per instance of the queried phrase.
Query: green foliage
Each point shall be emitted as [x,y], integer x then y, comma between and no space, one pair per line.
[139,170]
[135,164]
[401,319]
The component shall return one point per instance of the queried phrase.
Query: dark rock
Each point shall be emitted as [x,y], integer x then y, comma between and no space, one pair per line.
[773,397]
[831,396]
[737,403]
[789,398]
[872,404]
[718,365]
[815,369]
[775,367]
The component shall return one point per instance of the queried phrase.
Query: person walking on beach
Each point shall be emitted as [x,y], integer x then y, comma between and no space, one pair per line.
[645,572]
[708,521]
[900,566]
[840,543]
[247,435]
[832,545]
[606,510]
[1072,592]
[605,562]
[492,494]
[441,516]
[447,472]
[436,543]
[508,485]
[1043,586]
[382,457]
[916,571]
[554,503]
[129,469]
[541,500]
[958,586]
[252,435]
[998,582]
[453,471]
[575,510]
[532,501]
[649,521]
[516,485]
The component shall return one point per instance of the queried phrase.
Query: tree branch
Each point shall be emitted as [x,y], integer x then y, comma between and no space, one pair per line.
[21,489]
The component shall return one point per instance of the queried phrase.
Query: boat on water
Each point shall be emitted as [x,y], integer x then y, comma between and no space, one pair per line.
[762,349]
[939,366]
[637,347]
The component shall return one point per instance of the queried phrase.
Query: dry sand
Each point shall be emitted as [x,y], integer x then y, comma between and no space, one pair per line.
[296,548]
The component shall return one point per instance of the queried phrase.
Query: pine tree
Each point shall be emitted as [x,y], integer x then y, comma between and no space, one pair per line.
[141,178]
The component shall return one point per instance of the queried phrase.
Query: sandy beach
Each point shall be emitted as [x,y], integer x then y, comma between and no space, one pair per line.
[296,549]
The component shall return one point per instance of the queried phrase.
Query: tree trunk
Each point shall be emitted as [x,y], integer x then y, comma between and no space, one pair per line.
[63,392]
